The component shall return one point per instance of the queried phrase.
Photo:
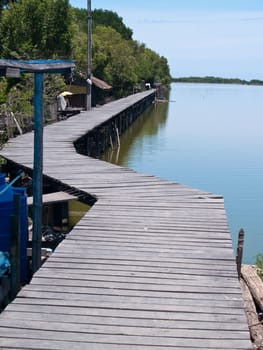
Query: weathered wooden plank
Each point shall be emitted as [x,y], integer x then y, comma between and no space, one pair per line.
[121,296]
[136,284]
[72,270]
[161,255]
[191,305]
[181,272]
[124,321]
[126,331]
[150,237]
[157,340]
[208,311]
[108,243]
[11,343]
[62,307]
[173,264]
[143,278]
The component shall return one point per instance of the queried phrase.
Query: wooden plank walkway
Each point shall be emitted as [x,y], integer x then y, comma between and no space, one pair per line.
[149,267]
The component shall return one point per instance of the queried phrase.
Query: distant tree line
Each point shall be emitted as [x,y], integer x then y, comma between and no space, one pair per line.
[217,80]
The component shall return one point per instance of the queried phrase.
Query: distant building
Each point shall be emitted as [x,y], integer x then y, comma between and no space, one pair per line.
[101,92]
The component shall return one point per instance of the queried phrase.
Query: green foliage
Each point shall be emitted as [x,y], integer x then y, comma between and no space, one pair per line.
[5,3]
[151,67]
[116,58]
[259,263]
[102,18]
[254,82]
[59,31]
[113,59]
[36,29]
[18,98]
[3,90]
[80,19]
[45,29]
[111,19]
[33,29]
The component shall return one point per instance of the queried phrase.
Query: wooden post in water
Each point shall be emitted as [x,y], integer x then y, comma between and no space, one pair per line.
[111,143]
[118,137]
[239,254]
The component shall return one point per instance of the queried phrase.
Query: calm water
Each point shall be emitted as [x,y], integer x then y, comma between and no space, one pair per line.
[209,137]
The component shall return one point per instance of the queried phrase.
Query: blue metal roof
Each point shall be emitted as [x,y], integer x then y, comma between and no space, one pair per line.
[15,67]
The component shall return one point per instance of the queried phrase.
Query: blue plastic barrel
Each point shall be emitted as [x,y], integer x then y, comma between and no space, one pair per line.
[4,264]
[23,231]
[6,210]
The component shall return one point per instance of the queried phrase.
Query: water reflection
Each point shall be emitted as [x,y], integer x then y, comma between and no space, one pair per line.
[147,126]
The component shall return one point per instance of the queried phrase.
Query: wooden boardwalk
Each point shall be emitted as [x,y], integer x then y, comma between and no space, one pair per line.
[149,267]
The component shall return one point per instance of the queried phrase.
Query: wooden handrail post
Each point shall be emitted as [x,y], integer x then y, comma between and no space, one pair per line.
[239,254]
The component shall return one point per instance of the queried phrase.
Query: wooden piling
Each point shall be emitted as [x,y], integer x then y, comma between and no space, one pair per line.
[239,254]
[118,137]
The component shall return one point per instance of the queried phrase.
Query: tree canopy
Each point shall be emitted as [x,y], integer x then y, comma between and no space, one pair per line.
[105,18]
[36,29]
[5,3]
[217,80]
[117,58]
[33,29]
[111,19]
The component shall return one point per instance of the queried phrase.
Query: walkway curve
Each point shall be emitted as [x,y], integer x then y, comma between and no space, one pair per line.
[149,267]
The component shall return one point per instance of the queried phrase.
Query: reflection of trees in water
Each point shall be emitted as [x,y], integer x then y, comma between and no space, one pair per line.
[148,124]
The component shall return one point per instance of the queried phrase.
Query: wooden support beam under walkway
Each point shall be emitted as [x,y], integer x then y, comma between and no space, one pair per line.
[149,267]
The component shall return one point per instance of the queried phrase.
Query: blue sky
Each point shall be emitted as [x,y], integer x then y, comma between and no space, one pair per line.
[198,37]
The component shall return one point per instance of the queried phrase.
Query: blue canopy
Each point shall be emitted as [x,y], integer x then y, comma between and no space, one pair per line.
[13,68]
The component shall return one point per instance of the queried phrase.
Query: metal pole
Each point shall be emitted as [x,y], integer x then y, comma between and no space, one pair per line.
[38,171]
[89,56]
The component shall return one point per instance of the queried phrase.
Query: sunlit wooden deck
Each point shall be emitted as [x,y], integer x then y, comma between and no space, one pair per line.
[149,267]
